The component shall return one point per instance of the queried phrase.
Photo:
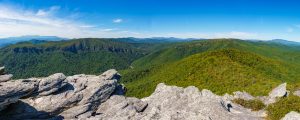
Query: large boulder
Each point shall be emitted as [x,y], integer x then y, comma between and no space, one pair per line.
[292,116]
[110,74]
[279,91]
[51,84]
[11,91]
[4,78]
[64,97]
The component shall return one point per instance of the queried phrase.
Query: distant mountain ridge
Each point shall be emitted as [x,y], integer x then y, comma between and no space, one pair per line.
[277,41]
[38,39]
[155,39]
[285,42]
[13,40]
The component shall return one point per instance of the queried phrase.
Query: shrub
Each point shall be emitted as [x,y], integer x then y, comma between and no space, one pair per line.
[254,105]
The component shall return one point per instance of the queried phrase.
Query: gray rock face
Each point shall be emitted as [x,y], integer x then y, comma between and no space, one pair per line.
[174,103]
[11,91]
[126,108]
[190,103]
[51,84]
[292,116]
[58,96]
[110,74]
[279,91]
[101,98]
[4,78]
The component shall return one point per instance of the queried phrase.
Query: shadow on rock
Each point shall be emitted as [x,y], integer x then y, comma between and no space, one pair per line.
[22,110]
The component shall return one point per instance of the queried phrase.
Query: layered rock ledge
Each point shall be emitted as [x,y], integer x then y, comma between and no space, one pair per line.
[101,97]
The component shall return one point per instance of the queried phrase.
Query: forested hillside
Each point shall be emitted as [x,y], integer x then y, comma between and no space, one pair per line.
[224,66]
[89,56]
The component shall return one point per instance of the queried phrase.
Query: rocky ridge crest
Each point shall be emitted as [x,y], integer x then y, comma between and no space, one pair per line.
[101,97]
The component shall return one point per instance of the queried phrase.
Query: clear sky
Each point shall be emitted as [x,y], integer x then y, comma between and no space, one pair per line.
[246,19]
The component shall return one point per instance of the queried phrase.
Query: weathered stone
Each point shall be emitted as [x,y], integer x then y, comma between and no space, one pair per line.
[292,116]
[4,78]
[120,107]
[11,91]
[279,91]
[68,97]
[74,112]
[170,102]
[110,74]
[101,97]
[139,105]
[50,84]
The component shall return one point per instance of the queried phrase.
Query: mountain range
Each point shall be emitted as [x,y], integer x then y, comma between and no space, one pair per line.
[13,40]
[285,42]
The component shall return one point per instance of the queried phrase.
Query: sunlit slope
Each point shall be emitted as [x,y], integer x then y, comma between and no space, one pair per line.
[222,66]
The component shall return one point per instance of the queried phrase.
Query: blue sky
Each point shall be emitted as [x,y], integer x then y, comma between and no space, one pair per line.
[245,19]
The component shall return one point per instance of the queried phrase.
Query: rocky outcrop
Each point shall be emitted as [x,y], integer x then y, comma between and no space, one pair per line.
[292,116]
[278,92]
[56,96]
[171,103]
[11,91]
[190,103]
[102,97]
[50,84]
